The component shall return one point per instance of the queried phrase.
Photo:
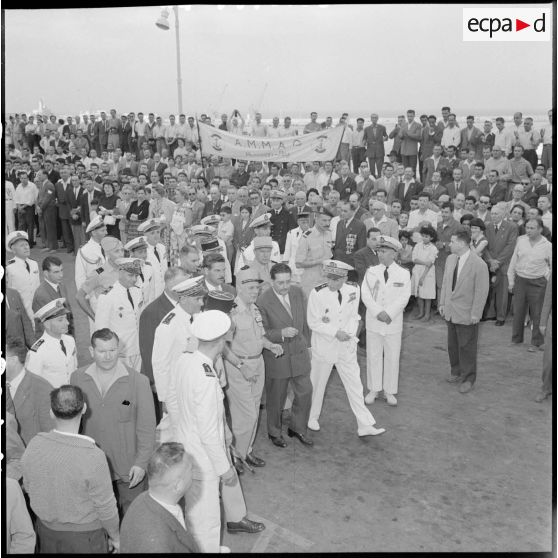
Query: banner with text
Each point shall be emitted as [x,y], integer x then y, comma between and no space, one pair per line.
[318,146]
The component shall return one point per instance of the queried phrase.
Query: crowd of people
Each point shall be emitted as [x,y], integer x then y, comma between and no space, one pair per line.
[212,285]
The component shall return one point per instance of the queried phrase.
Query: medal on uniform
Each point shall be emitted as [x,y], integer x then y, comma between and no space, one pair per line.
[120,308]
[325,318]
[352,297]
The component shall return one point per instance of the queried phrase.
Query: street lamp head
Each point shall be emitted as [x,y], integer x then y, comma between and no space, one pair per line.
[163,21]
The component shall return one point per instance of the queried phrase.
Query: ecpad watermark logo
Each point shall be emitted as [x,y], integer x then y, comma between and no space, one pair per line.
[507,24]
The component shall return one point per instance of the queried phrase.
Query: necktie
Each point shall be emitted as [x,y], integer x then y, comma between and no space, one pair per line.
[141,275]
[27,267]
[103,252]
[454,280]
[130,298]
[339,297]
[386,275]
[157,254]
[287,305]
[59,291]
[63,347]
[496,227]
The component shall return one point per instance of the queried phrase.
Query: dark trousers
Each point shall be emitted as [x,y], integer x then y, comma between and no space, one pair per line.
[547,358]
[67,234]
[71,542]
[358,154]
[126,495]
[531,156]
[410,161]
[528,293]
[375,164]
[462,350]
[50,239]
[26,221]
[276,393]
[497,304]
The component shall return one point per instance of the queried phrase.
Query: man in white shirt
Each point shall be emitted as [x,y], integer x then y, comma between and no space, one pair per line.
[25,198]
[91,255]
[452,134]
[503,138]
[287,130]
[274,131]
[258,129]
[546,138]
[417,216]
[311,179]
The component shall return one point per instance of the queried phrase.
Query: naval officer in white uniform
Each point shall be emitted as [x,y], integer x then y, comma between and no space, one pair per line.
[386,289]
[333,318]
[91,255]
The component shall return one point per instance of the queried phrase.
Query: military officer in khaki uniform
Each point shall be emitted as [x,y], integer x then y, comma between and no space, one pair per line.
[315,246]
[262,227]
[246,383]
[263,247]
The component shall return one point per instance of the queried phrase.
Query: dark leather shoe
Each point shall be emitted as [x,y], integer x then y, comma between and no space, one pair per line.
[245,526]
[238,465]
[251,459]
[453,379]
[306,441]
[278,441]
[499,323]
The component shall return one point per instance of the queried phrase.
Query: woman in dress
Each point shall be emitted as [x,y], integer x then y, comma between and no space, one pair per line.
[138,212]
[180,224]
[122,206]
[107,208]
[423,280]
[162,208]
[243,234]
[479,242]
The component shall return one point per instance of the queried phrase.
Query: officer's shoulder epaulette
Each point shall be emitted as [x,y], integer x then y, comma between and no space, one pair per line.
[147,263]
[37,344]
[100,270]
[307,233]
[11,261]
[208,370]
[245,267]
[320,287]
[169,318]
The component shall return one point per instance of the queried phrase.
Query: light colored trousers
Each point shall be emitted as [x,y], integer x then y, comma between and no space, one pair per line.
[349,372]
[203,511]
[244,403]
[382,361]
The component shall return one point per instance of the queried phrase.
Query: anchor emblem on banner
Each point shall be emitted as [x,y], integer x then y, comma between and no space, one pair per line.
[320,148]
[216,142]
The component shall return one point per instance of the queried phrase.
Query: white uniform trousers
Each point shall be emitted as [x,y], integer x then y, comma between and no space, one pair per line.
[244,403]
[203,511]
[382,361]
[349,372]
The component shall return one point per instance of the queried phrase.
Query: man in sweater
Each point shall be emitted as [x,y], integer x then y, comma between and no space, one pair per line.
[121,417]
[155,521]
[68,481]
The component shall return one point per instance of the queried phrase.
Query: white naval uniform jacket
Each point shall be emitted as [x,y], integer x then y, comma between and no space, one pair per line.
[248,253]
[390,297]
[326,317]
[145,284]
[289,256]
[173,337]
[115,312]
[200,415]
[23,281]
[157,284]
[47,359]
[88,259]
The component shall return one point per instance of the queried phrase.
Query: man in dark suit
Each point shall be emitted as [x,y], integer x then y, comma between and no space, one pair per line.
[213,206]
[456,186]
[374,137]
[436,162]
[367,256]
[431,135]
[150,318]
[300,206]
[502,236]
[349,238]
[74,194]
[283,310]
[406,189]
[46,207]
[30,393]
[496,189]
[51,288]
[345,185]
[92,134]
[410,133]
[148,527]
[62,186]
[462,300]
[18,324]
[477,181]
[102,132]
[282,220]
[239,176]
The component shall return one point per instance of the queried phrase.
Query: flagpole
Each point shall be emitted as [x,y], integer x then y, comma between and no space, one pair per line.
[337,151]
[199,139]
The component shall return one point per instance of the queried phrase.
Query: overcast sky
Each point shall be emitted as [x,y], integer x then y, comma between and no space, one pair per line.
[382,58]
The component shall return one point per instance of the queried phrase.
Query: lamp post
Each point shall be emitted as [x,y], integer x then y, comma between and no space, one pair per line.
[163,23]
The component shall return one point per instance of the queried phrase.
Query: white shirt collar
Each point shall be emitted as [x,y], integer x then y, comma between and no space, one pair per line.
[14,384]
[53,285]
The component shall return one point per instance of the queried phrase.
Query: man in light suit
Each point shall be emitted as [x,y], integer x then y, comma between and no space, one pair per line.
[150,318]
[502,236]
[283,310]
[462,299]
[374,137]
[470,135]
[410,133]
[385,292]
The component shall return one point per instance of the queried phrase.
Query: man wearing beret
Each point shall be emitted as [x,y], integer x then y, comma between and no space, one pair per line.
[385,292]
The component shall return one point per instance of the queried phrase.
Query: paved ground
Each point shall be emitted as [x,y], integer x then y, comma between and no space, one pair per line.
[452,473]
